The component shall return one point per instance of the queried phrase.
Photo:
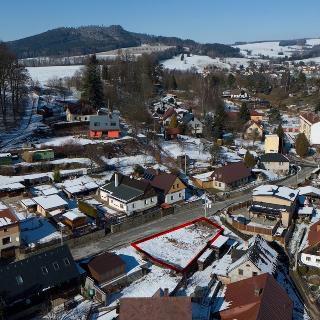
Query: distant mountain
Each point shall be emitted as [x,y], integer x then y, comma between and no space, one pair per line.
[90,39]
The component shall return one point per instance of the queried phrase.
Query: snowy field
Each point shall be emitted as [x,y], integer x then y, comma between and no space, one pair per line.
[198,62]
[179,247]
[43,74]
[74,140]
[272,49]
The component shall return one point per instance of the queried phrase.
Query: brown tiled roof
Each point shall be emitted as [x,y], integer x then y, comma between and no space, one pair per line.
[156,308]
[314,234]
[233,115]
[81,109]
[172,130]
[162,180]
[259,297]
[169,112]
[105,262]
[231,172]
[311,117]
[255,113]
[8,217]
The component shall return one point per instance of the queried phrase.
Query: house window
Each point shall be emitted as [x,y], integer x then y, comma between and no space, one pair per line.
[5,230]
[254,273]
[179,195]
[308,258]
[96,124]
[151,200]
[177,185]
[145,201]
[121,206]
[113,124]
[85,118]
[317,260]
[66,262]
[171,197]
[19,280]
[173,186]
[240,271]
[6,240]
[219,184]
[56,266]
[44,270]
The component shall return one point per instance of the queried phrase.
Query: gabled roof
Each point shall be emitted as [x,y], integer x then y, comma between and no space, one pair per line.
[156,308]
[169,112]
[128,188]
[37,273]
[255,113]
[172,130]
[161,180]
[276,191]
[260,254]
[80,109]
[274,157]
[310,117]
[187,117]
[231,172]
[105,262]
[7,217]
[252,122]
[259,297]
[314,235]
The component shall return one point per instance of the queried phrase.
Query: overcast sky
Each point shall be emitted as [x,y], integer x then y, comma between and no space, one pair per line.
[222,21]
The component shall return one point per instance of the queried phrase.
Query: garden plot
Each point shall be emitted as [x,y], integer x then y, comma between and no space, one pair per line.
[179,247]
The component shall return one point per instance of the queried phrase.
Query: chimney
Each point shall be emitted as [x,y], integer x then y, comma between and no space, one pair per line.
[166,292]
[116,179]
[257,292]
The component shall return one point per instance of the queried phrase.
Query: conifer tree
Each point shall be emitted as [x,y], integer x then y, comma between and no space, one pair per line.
[92,91]
[302,145]
[249,160]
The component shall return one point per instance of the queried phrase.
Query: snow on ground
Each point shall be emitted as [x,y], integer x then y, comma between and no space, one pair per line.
[126,165]
[37,230]
[85,161]
[43,74]
[269,49]
[193,147]
[81,311]
[269,174]
[258,145]
[72,139]
[193,62]
[180,246]
[198,63]
[148,285]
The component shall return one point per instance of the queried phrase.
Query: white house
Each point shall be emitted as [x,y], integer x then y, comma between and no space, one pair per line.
[128,195]
[310,256]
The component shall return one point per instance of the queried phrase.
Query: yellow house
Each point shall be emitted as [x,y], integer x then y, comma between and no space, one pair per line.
[251,127]
[275,201]
[271,143]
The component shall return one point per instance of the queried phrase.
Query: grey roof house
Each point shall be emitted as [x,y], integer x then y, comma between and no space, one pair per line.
[275,162]
[128,194]
[38,278]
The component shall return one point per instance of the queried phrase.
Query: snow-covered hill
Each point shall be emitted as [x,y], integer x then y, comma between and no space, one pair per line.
[198,62]
[43,74]
[272,49]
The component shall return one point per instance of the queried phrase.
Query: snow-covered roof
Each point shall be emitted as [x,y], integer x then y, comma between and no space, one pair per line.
[50,202]
[307,190]
[220,241]
[204,176]
[260,254]
[276,191]
[28,202]
[306,210]
[73,214]
[12,186]
[5,155]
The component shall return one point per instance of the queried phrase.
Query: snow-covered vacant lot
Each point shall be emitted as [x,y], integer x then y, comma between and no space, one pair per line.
[43,74]
[179,247]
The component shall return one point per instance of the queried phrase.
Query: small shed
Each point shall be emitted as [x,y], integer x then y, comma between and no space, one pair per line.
[106,266]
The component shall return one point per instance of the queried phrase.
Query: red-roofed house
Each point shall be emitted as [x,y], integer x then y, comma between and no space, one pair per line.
[252,126]
[310,126]
[9,232]
[230,176]
[166,118]
[256,298]
[256,116]
[169,186]
[311,255]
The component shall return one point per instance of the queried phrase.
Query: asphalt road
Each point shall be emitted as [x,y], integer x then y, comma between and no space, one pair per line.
[112,241]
